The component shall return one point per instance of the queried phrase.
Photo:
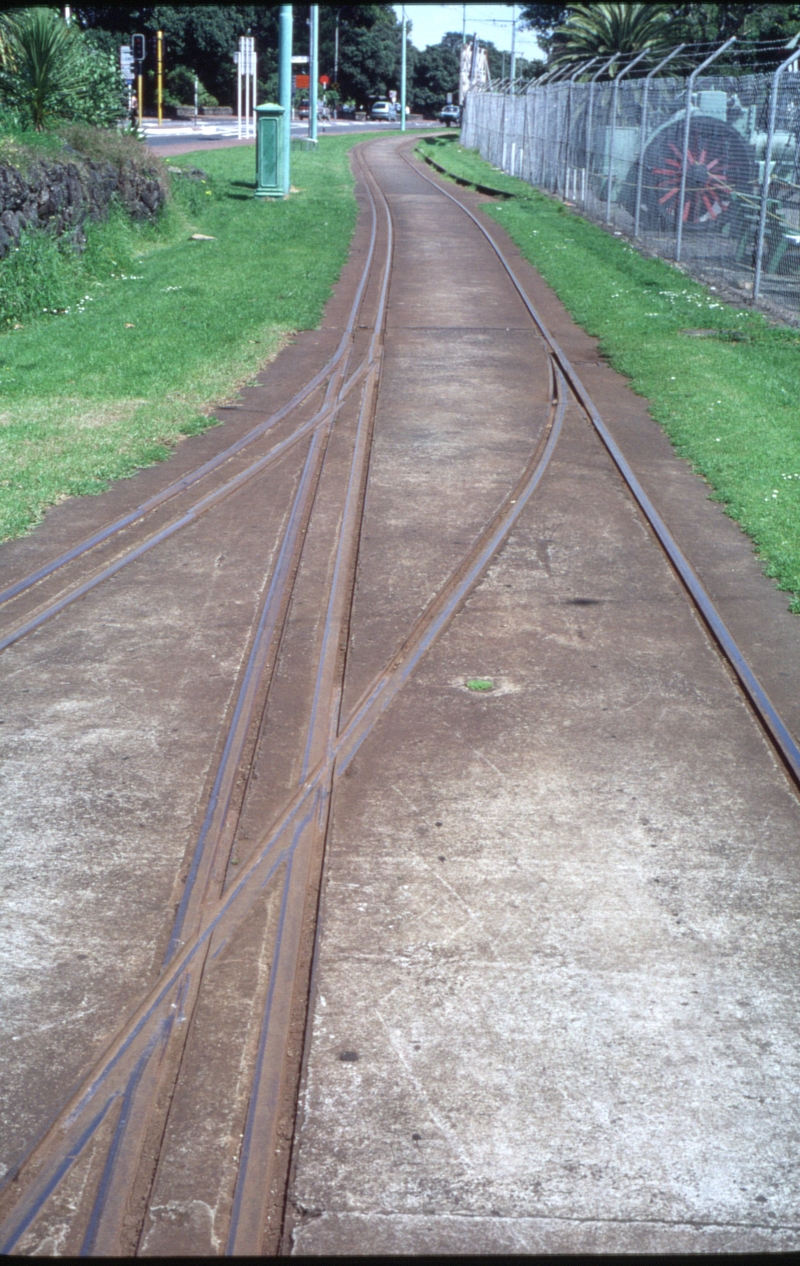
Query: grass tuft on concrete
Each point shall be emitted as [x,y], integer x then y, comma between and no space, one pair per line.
[727,396]
[147,330]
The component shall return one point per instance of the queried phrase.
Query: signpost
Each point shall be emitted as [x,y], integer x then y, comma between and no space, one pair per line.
[285,88]
[246,70]
[139,50]
[126,64]
[313,71]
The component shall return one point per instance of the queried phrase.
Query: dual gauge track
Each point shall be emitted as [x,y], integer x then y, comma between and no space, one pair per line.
[195,1100]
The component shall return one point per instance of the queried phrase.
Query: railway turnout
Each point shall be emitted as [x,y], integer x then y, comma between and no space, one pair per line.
[323,949]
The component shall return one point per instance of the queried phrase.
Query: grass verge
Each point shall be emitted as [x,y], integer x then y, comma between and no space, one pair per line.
[150,328]
[727,397]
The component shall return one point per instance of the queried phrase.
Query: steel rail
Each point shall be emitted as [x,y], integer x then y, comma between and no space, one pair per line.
[112,1077]
[261,1172]
[276,602]
[138,1044]
[207,468]
[767,713]
[320,418]
[123,1172]
[110,1080]
[212,499]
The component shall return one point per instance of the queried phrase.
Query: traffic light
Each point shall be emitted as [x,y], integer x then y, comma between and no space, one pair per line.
[138,48]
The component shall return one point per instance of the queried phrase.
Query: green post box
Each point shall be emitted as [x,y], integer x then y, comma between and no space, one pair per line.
[269,151]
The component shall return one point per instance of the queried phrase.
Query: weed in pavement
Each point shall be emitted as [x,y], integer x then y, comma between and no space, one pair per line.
[160,327]
[728,401]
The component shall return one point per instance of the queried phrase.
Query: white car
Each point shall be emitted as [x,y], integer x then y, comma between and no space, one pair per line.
[384,110]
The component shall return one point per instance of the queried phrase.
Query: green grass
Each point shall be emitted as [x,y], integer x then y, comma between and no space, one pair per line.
[152,329]
[729,401]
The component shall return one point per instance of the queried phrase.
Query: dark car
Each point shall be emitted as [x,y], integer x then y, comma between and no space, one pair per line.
[450,114]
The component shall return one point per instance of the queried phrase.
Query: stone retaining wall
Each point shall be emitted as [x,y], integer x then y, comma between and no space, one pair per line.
[62,196]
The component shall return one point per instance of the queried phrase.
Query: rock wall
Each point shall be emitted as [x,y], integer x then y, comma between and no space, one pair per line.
[62,196]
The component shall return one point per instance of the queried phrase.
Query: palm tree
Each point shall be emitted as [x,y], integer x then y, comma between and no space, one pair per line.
[600,30]
[39,55]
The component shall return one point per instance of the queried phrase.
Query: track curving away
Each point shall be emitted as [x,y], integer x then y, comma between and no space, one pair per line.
[118,1138]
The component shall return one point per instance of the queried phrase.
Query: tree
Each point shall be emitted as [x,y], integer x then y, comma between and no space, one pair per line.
[435,74]
[599,30]
[369,50]
[203,39]
[50,72]
[684,23]
[543,19]
[712,23]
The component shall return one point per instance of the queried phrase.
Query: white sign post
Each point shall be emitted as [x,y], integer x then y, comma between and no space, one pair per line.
[126,63]
[246,67]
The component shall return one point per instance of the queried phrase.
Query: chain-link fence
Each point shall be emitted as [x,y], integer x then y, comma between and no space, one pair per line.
[701,168]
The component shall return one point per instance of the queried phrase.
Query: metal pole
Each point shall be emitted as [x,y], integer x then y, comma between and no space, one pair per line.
[643,132]
[589,114]
[255,87]
[463,25]
[612,137]
[160,74]
[239,68]
[313,58]
[762,215]
[512,74]
[247,87]
[582,67]
[196,102]
[403,76]
[686,125]
[285,90]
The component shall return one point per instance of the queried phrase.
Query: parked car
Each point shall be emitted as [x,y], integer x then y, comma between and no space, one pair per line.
[346,111]
[450,114]
[385,110]
[302,110]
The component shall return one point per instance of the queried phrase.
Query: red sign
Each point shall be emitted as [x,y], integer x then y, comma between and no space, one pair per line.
[303,81]
[324,80]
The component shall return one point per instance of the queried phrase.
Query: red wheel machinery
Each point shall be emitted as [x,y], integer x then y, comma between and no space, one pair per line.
[719,167]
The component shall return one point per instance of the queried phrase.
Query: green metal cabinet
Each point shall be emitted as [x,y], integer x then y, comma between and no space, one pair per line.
[269,151]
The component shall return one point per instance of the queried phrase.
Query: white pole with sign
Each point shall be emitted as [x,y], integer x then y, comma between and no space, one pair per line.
[246,69]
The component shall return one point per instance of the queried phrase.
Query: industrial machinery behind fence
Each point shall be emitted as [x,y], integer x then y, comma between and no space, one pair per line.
[695,151]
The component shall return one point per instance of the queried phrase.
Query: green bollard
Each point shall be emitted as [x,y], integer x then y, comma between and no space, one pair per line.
[269,151]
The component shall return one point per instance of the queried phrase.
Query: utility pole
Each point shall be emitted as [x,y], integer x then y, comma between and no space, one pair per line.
[463,25]
[160,74]
[336,52]
[513,71]
[403,77]
[314,69]
[285,90]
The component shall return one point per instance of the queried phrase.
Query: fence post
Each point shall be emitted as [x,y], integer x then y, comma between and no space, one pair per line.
[762,215]
[540,155]
[612,136]
[687,123]
[589,114]
[582,68]
[643,132]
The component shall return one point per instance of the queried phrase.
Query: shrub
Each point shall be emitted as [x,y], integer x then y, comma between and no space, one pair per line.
[180,89]
[51,71]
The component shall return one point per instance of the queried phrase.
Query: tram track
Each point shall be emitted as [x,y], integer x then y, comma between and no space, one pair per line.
[124,1109]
